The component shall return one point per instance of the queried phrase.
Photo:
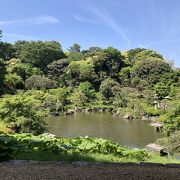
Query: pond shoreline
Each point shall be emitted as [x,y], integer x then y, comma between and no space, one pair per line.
[103,125]
[114,112]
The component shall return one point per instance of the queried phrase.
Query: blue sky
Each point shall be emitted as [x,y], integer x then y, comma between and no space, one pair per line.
[123,24]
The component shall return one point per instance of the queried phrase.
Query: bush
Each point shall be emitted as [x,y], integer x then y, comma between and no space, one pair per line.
[22,114]
[23,70]
[172,143]
[8,147]
[171,121]
[161,90]
[13,81]
[31,144]
[39,82]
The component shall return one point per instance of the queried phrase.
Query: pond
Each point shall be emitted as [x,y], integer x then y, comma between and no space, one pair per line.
[131,133]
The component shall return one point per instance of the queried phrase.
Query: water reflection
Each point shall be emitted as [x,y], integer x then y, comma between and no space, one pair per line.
[131,133]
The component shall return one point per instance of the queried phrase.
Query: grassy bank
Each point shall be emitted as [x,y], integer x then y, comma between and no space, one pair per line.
[92,157]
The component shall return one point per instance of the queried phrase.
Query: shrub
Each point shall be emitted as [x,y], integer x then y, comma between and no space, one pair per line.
[39,82]
[22,114]
[13,81]
[171,142]
[171,121]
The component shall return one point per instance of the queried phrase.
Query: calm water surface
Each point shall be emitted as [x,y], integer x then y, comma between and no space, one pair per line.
[131,133]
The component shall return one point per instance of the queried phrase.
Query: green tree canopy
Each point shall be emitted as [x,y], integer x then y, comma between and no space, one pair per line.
[80,71]
[24,70]
[40,82]
[40,54]
[2,75]
[108,88]
[6,50]
[22,114]
[150,70]
[114,61]
[139,54]
[57,71]
[74,48]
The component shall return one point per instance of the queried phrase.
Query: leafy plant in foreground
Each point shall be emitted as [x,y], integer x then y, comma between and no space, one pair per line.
[30,144]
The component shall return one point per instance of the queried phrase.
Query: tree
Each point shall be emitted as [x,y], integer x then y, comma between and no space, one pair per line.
[114,61]
[74,48]
[76,56]
[18,45]
[87,89]
[57,71]
[80,71]
[161,90]
[78,98]
[2,75]
[40,54]
[24,70]
[139,54]
[59,97]
[13,81]
[150,70]
[92,51]
[1,34]
[171,78]
[6,51]
[40,82]
[125,75]
[171,121]
[109,88]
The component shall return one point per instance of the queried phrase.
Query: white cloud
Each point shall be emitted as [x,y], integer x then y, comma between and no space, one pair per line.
[104,17]
[32,20]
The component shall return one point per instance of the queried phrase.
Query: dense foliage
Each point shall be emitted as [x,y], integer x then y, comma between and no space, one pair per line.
[171,143]
[38,79]
[29,143]
[22,114]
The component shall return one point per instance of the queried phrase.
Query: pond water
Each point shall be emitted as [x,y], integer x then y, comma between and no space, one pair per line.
[131,133]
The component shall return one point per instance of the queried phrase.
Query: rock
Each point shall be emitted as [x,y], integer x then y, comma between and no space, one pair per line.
[113,111]
[144,118]
[101,110]
[157,125]
[87,110]
[114,114]
[69,112]
[48,135]
[78,109]
[128,116]
[108,110]
[155,148]
[55,114]
[168,97]
[153,119]
[94,109]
